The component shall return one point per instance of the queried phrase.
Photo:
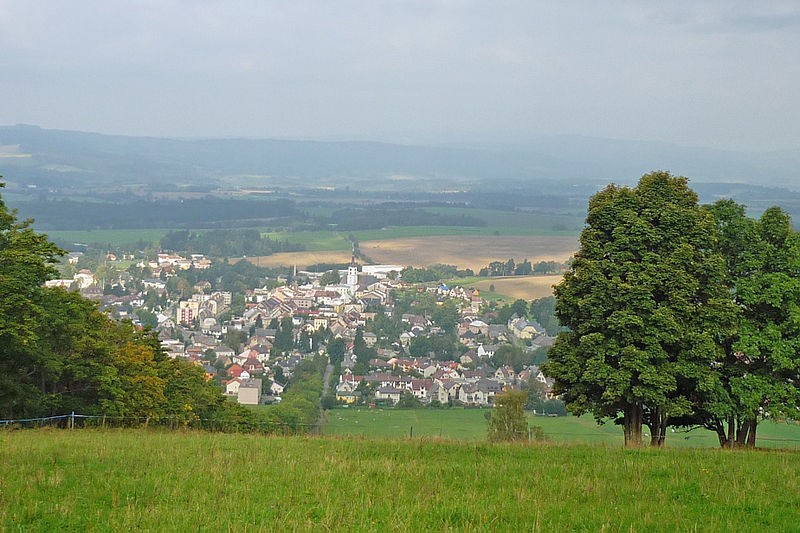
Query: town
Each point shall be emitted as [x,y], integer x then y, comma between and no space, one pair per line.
[389,342]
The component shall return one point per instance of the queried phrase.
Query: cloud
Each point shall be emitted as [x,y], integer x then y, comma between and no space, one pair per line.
[712,73]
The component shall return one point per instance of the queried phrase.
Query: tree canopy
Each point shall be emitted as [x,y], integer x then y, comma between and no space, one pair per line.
[59,353]
[759,367]
[643,301]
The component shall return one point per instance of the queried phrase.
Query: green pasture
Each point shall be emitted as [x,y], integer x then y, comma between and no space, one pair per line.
[325,241]
[140,480]
[470,425]
[313,241]
[500,223]
[563,223]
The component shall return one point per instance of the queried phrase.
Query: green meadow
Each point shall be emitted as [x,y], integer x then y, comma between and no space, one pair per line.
[499,223]
[140,480]
[470,425]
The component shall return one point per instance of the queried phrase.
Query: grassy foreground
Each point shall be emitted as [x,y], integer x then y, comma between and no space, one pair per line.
[53,480]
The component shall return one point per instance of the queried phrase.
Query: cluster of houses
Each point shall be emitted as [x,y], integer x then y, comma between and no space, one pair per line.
[435,382]
[193,328]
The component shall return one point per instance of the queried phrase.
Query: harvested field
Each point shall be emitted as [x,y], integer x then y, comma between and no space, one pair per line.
[525,287]
[464,251]
[473,252]
[301,259]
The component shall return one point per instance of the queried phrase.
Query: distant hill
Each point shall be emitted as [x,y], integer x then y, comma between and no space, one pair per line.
[32,155]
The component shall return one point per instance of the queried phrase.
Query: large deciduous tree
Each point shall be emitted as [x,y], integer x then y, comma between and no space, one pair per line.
[760,367]
[641,302]
[59,353]
[26,262]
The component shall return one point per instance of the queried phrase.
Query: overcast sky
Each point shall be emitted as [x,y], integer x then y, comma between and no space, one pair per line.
[718,74]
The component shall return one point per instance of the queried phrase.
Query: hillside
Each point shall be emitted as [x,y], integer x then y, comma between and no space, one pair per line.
[56,157]
[138,480]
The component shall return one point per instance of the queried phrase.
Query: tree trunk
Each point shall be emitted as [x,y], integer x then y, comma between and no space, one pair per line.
[729,441]
[632,425]
[751,436]
[723,439]
[658,428]
[742,431]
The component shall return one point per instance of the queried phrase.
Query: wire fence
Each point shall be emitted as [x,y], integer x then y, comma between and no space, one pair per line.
[80,421]
[76,421]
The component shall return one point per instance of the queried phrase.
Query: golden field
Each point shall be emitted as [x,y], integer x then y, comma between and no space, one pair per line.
[464,251]
[524,287]
[474,251]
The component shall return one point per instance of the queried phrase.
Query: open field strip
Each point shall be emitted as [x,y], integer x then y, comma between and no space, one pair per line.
[464,251]
[126,480]
[470,424]
[473,252]
[524,287]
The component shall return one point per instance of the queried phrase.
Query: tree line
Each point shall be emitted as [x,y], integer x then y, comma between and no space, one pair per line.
[678,314]
[209,212]
[377,217]
[226,243]
[525,268]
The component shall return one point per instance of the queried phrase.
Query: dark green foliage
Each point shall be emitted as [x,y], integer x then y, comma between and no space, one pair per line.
[409,401]
[760,366]
[236,277]
[510,268]
[644,301]
[446,316]
[543,311]
[336,349]
[331,277]
[386,328]
[59,354]
[284,336]
[443,348]
[301,401]
[436,272]
[225,243]
[510,355]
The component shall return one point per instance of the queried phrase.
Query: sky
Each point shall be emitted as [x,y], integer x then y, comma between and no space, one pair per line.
[718,74]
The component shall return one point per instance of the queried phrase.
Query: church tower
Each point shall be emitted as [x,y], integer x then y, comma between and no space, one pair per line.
[352,274]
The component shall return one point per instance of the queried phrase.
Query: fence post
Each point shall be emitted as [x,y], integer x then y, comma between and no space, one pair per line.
[72,420]
[411,432]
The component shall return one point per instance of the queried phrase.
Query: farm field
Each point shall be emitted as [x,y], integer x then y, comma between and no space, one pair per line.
[525,287]
[470,424]
[464,251]
[130,480]
[473,252]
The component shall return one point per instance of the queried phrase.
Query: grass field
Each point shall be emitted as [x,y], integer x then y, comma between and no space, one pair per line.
[470,424]
[138,480]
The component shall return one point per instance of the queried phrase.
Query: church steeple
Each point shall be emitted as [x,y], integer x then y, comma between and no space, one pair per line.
[352,272]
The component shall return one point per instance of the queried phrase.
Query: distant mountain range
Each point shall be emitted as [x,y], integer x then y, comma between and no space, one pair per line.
[36,156]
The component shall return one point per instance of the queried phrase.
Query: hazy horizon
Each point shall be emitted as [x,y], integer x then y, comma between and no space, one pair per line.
[707,74]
